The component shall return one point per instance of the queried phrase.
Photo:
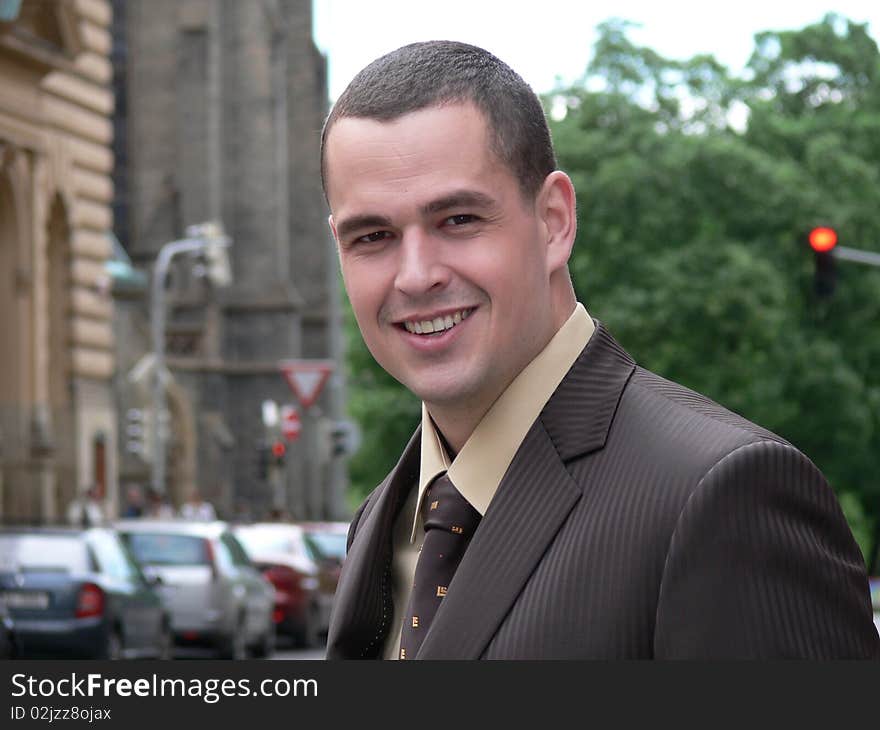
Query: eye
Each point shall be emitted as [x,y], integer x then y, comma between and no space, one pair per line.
[373,237]
[460,219]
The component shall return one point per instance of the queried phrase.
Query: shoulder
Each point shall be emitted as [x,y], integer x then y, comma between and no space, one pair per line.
[686,434]
[669,448]
[670,402]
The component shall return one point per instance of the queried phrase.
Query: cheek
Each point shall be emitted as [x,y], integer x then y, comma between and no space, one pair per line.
[364,287]
[511,274]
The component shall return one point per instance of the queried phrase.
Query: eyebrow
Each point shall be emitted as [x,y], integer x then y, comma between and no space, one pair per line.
[359,222]
[460,198]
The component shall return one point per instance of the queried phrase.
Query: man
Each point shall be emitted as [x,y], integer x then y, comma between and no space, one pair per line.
[196,508]
[134,507]
[85,510]
[617,515]
[158,506]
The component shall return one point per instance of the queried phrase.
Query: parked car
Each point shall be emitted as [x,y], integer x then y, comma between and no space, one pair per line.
[78,592]
[214,593]
[326,542]
[280,551]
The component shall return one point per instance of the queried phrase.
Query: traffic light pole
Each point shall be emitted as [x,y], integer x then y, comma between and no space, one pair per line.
[201,237]
[855,254]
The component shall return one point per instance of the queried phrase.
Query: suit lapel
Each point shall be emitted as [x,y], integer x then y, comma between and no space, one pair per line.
[362,609]
[533,500]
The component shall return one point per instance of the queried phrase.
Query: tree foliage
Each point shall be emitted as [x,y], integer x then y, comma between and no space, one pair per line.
[696,190]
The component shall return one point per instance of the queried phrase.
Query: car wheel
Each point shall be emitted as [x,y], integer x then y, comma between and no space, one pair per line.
[112,646]
[165,648]
[235,646]
[266,645]
[312,629]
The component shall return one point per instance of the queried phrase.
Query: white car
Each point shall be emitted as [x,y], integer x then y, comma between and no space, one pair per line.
[213,592]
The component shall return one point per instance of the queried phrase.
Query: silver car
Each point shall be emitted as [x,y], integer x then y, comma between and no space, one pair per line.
[215,595]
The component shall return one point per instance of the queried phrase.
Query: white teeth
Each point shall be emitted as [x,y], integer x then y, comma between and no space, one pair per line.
[438,324]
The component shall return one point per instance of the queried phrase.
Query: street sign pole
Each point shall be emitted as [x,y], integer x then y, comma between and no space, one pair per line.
[315,483]
[306,379]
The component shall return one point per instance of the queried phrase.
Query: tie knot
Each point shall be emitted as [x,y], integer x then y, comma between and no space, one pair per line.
[445,508]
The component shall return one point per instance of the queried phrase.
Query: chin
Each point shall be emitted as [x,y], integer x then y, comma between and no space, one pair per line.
[457,395]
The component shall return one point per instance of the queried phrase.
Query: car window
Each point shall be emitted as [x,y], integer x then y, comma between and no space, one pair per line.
[151,548]
[223,557]
[265,540]
[239,557]
[111,558]
[327,544]
[43,553]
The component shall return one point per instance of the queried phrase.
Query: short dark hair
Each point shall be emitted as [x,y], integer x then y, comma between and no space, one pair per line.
[434,73]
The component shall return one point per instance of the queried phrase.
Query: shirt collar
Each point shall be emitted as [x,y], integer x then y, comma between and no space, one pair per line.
[478,468]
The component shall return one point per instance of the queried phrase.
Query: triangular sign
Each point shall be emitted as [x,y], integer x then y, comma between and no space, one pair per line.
[306,378]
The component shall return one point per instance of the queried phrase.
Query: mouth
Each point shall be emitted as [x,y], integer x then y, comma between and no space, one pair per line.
[436,325]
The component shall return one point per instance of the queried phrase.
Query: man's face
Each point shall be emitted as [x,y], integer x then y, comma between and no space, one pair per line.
[444,262]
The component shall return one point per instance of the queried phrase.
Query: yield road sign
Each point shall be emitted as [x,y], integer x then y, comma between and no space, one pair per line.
[306,378]
[291,426]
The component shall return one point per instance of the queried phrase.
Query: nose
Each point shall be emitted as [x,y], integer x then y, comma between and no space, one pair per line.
[420,266]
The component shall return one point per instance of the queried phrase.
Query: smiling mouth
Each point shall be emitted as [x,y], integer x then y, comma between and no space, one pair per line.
[438,325]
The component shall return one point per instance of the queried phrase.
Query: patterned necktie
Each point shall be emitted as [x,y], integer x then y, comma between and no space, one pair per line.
[450,522]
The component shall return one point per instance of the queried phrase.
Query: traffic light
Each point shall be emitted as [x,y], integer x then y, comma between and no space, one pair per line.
[138,432]
[278,452]
[345,438]
[338,442]
[823,240]
[263,455]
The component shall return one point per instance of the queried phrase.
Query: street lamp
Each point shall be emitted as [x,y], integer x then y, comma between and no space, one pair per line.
[210,239]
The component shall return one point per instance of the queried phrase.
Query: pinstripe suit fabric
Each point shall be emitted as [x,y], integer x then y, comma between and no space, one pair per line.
[637,520]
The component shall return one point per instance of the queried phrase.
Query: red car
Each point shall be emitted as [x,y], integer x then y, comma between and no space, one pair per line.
[326,542]
[280,552]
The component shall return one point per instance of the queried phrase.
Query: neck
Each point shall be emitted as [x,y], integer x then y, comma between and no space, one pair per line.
[454,425]
[456,422]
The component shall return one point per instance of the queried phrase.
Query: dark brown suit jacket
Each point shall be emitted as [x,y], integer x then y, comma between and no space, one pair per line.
[637,520]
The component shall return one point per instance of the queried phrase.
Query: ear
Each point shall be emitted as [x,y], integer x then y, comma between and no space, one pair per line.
[556,209]
[332,224]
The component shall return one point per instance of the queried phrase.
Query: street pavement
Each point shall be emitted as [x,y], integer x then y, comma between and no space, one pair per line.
[284,650]
[290,653]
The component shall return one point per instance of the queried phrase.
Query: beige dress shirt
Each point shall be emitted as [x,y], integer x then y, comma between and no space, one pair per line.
[478,468]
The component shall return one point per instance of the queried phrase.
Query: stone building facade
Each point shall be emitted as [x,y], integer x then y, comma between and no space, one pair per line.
[58,426]
[220,106]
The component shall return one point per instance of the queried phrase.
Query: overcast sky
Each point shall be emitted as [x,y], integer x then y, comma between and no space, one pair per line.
[549,39]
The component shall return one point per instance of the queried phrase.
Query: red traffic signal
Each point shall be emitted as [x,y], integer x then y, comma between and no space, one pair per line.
[278,449]
[823,239]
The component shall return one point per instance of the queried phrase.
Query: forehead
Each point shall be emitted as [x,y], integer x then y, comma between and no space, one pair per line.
[446,147]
